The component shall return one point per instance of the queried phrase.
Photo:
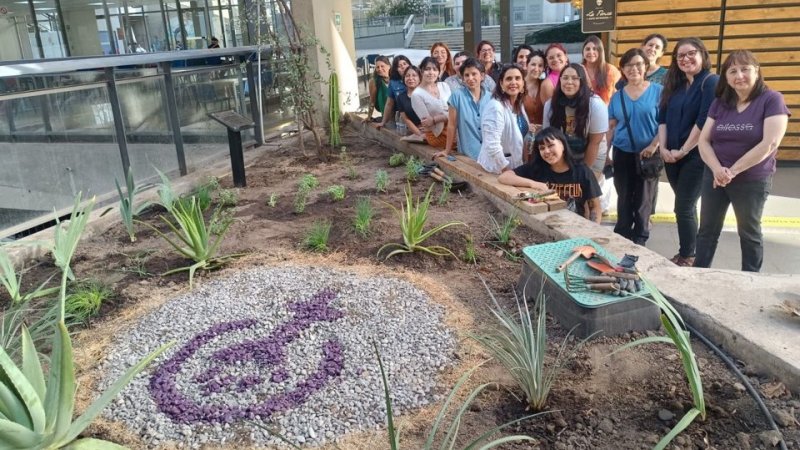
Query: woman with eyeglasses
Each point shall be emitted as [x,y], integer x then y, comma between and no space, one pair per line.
[485,52]
[581,115]
[556,58]
[683,110]
[554,167]
[441,53]
[396,87]
[739,141]
[633,131]
[411,79]
[504,123]
[429,101]
[602,75]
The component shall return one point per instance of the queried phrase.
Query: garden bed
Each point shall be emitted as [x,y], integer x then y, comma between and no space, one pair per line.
[625,401]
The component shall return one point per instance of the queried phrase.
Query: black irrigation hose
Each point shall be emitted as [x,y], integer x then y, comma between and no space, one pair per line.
[732,365]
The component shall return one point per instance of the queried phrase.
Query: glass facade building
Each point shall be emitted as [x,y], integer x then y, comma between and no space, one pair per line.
[40,29]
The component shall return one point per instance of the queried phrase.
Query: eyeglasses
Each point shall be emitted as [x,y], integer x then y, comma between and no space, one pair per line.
[636,65]
[486,50]
[688,55]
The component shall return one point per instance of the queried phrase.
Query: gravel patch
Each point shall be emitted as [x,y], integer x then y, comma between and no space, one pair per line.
[288,348]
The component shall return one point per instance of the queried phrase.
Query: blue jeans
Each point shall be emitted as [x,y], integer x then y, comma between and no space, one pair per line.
[685,178]
[747,198]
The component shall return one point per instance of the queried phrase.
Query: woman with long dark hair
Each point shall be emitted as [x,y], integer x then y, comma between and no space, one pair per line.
[378,88]
[533,81]
[683,109]
[554,167]
[633,120]
[396,87]
[602,75]
[504,123]
[429,101]
[739,141]
[412,78]
[556,58]
[485,54]
[441,53]
[581,115]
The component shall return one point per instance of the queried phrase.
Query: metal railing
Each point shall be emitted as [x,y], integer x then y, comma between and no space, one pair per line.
[74,125]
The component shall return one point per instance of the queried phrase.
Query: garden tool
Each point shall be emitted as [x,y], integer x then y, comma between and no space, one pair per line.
[575,283]
[584,250]
[537,197]
[455,186]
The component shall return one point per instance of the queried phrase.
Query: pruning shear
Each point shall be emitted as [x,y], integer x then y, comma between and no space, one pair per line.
[537,197]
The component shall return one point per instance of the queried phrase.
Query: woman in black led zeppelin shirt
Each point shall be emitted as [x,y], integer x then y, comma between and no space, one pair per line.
[553,167]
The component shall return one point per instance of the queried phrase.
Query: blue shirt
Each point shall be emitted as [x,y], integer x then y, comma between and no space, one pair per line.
[468,120]
[687,108]
[642,118]
[396,87]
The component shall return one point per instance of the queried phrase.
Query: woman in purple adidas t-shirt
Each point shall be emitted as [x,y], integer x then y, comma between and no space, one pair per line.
[745,125]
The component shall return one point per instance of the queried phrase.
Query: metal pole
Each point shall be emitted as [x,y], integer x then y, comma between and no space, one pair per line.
[209,30]
[254,107]
[506,30]
[112,34]
[63,29]
[119,125]
[237,158]
[258,37]
[222,24]
[472,24]
[36,34]
[167,31]
[181,25]
[172,115]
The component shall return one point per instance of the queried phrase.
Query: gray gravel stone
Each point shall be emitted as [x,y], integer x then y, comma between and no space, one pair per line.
[407,327]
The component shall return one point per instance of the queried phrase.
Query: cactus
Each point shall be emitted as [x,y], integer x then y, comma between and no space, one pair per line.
[333,110]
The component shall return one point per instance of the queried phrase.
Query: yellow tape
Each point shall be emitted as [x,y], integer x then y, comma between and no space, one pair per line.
[766,221]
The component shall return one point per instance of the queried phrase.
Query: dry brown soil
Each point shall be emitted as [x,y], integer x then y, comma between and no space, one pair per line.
[601,402]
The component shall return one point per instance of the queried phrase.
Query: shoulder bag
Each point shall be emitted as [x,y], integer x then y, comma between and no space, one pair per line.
[647,168]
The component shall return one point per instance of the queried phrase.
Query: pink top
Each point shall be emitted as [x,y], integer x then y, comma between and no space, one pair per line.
[553,77]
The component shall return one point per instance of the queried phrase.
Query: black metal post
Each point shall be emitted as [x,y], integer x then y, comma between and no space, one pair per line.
[237,158]
[506,31]
[119,126]
[44,105]
[62,29]
[172,115]
[35,23]
[254,96]
[472,24]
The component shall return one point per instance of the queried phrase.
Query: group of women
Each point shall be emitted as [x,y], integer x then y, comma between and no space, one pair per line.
[715,135]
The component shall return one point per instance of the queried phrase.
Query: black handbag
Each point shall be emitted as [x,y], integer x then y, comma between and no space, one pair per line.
[648,168]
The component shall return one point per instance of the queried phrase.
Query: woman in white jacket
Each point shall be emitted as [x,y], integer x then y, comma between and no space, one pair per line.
[504,123]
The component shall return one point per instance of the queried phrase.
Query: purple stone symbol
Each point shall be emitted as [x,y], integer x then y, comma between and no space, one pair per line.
[268,352]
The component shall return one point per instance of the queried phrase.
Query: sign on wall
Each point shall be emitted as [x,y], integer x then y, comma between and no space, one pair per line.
[598,16]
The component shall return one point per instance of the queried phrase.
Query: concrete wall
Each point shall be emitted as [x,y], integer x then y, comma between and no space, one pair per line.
[15,37]
[394,40]
[81,27]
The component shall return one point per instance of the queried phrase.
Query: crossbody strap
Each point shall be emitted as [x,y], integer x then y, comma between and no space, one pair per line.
[627,119]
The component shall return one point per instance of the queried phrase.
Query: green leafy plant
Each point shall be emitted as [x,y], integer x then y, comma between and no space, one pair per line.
[272,201]
[12,281]
[470,254]
[352,173]
[194,241]
[37,414]
[364,214]
[413,218]
[445,194]
[137,263]
[220,220]
[300,200]
[678,335]
[317,238]
[40,320]
[127,210]
[166,195]
[306,184]
[203,194]
[502,230]
[519,344]
[381,180]
[337,192]
[452,432]
[86,299]
[397,159]
[227,198]
[413,166]
[333,110]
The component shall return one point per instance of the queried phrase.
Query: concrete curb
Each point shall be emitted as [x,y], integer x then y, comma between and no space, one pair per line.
[736,310]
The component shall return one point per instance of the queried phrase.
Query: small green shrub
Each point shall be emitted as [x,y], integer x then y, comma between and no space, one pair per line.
[364,214]
[413,166]
[272,201]
[397,159]
[502,230]
[381,180]
[86,299]
[308,182]
[300,200]
[127,210]
[304,187]
[470,254]
[227,198]
[221,219]
[352,173]
[317,238]
[337,192]
[445,194]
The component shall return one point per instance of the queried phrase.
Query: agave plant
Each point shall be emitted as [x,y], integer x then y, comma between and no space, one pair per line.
[166,195]
[413,218]
[194,241]
[452,433]
[127,210]
[519,344]
[677,335]
[37,414]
